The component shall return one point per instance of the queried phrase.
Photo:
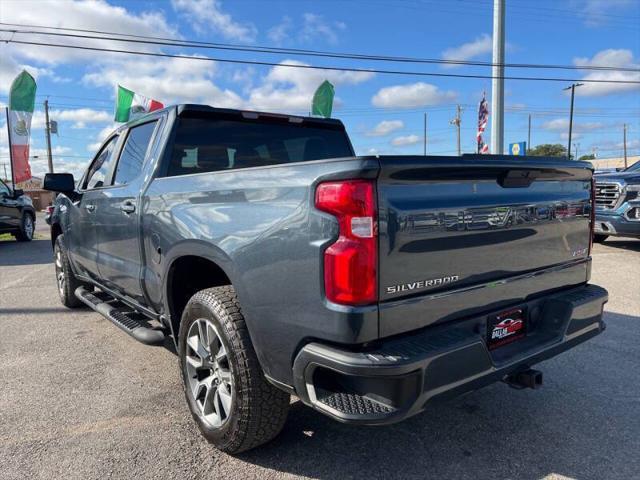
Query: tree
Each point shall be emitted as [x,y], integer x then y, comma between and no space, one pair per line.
[590,156]
[548,150]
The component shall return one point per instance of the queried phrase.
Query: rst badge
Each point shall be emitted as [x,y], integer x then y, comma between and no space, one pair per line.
[506,327]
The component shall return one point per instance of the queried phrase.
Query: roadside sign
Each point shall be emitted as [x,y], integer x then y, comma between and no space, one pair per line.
[518,149]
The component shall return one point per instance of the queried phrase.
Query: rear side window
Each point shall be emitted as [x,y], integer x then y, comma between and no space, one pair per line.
[101,166]
[210,144]
[134,152]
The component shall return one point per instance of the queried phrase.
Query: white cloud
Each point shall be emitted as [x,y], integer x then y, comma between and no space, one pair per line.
[81,116]
[406,140]
[10,68]
[385,128]
[609,58]
[412,95]
[467,51]
[206,15]
[169,80]
[315,27]
[280,32]
[562,124]
[288,89]
[100,137]
[595,12]
[96,15]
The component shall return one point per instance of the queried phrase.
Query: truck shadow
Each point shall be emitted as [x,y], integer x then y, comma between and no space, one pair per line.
[571,427]
[35,252]
[626,244]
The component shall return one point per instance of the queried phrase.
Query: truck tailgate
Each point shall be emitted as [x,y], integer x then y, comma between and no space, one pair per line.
[455,231]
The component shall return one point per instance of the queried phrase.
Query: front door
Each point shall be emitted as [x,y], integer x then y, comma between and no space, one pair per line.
[117,221]
[81,234]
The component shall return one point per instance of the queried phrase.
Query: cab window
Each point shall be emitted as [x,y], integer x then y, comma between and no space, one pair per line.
[134,152]
[101,166]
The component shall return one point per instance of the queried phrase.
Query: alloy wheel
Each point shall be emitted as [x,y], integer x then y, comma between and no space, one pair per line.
[210,381]
[59,272]
[28,226]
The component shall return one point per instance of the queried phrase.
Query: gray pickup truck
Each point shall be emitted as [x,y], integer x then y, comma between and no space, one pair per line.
[280,263]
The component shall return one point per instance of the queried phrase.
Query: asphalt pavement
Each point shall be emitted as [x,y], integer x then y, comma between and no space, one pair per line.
[79,399]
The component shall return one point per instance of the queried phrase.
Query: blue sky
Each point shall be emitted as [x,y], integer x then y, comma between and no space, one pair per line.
[383,113]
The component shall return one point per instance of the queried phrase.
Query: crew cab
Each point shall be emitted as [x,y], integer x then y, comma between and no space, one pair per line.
[17,215]
[618,204]
[279,263]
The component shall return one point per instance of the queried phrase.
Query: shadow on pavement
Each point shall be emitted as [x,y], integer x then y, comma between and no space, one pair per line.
[578,425]
[633,245]
[36,252]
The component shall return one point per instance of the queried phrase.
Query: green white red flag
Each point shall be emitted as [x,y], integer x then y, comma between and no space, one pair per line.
[22,99]
[130,105]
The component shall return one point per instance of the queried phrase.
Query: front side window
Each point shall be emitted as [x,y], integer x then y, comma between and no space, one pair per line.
[211,144]
[97,174]
[134,152]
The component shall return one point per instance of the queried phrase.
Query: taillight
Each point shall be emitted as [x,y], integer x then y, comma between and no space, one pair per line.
[351,263]
[592,223]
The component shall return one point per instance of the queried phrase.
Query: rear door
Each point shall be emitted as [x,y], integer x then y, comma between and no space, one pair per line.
[117,219]
[81,233]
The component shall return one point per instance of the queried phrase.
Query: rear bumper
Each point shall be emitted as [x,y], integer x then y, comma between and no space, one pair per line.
[403,374]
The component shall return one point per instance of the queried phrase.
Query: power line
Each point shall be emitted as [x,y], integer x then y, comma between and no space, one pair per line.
[173,42]
[315,67]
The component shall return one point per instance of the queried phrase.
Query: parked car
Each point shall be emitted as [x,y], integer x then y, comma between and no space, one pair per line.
[17,215]
[618,204]
[279,263]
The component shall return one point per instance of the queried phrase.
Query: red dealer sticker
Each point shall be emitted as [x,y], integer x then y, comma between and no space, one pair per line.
[506,327]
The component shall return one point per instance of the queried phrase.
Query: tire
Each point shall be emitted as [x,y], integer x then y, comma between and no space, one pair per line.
[237,410]
[600,238]
[66,281]
[27,228]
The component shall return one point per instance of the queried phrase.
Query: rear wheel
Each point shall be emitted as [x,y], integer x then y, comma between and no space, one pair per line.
[65,279]
[27,228]
[600,238]
[234,406]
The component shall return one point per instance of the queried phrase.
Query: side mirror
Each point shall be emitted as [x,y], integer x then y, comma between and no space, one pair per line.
[17,193]
[59,182]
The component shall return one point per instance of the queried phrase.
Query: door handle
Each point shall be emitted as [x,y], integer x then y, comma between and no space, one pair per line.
[128,207]
[90,207]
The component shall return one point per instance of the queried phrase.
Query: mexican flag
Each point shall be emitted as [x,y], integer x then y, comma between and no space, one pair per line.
[22,99]
[131,105]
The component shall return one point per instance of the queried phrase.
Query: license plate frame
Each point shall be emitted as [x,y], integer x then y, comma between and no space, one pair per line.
[506,327]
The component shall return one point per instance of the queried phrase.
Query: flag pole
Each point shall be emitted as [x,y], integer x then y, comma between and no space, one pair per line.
[13,178]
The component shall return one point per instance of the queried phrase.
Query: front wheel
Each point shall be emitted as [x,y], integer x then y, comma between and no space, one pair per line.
[65,279]
[27,228]
[234,406]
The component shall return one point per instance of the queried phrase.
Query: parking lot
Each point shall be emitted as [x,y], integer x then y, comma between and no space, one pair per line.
[80,399]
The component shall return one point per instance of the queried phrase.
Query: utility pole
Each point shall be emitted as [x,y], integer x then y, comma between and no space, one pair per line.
[576,146]
[47,129]
[425,134]
[497,83]
[529,135]
[456,122]
[624,143]
[573,92]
